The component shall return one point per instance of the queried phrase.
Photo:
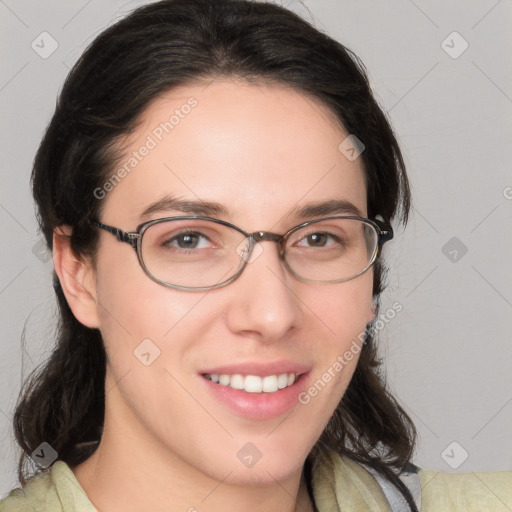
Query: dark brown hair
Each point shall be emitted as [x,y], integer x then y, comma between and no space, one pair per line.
[154,49]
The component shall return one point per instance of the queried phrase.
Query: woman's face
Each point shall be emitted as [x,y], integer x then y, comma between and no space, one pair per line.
[262,153]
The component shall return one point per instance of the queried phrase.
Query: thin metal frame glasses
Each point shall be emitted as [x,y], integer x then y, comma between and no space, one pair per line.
[379,231]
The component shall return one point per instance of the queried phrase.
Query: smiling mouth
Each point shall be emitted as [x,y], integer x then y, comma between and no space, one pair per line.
[255,383]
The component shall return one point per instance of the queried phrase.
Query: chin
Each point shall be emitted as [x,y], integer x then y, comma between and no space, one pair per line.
[275,464]
[261,475]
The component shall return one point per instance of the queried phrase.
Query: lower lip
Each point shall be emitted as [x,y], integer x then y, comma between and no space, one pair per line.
[258,406]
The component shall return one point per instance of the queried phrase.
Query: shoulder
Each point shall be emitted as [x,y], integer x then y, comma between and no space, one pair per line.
[470,492]
[340,483]
[56,490]
[37,491]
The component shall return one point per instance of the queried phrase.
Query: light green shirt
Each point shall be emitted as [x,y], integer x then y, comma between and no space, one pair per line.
[339,485]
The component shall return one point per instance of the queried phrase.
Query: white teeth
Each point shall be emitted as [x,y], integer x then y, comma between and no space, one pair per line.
[282,381]
[254,383]
[224,380]
[270,384]
[236,381]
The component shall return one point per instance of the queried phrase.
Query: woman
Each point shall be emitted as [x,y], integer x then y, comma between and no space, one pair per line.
[226,360]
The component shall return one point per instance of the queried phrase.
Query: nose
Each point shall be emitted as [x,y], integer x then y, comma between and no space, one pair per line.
[264,301]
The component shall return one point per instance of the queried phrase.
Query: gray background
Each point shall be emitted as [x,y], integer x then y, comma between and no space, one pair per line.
[448,352]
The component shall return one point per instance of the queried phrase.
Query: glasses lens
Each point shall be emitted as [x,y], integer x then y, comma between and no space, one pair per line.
[192,253]
[332,250]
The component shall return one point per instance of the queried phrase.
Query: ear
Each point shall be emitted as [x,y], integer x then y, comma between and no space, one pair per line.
[76,278]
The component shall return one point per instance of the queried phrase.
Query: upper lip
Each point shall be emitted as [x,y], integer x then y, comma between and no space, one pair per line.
[259,368]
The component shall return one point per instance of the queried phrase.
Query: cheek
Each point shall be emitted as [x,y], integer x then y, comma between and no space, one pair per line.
[133,309]
[344,309]
[340,315]
[147,331]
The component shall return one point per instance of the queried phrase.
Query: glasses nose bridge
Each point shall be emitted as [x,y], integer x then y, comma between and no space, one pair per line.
[267,236]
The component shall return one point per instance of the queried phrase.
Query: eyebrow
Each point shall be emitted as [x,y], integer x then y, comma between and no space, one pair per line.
[324,208]
[213,209]
[170,203]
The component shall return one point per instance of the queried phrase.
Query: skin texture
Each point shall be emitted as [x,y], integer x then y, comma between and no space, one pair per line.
[260,150]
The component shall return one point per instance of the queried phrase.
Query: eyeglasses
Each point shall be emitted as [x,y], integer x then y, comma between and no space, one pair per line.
[201,253]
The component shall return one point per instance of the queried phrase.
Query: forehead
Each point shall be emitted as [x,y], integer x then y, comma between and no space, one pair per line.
[260,150]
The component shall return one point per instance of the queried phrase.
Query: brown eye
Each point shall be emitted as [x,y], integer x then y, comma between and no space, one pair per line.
[317,239]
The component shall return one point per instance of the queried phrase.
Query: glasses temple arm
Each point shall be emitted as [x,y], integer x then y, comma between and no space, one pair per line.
[122,236]
[385,231]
